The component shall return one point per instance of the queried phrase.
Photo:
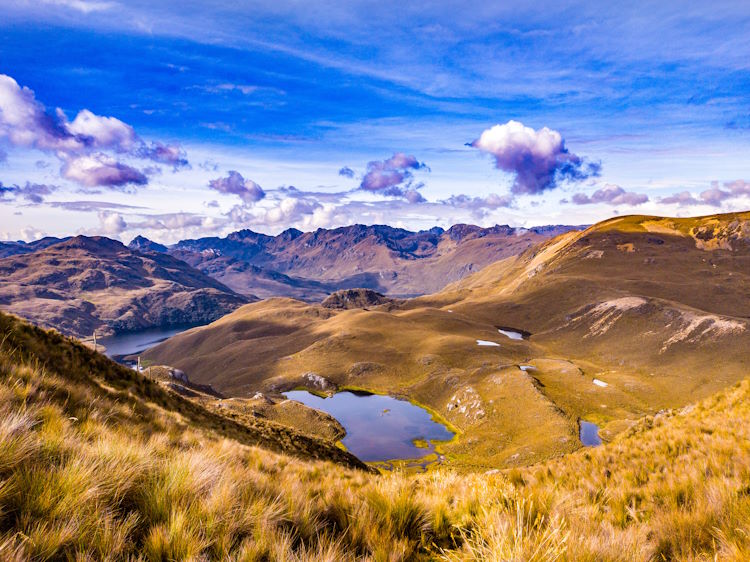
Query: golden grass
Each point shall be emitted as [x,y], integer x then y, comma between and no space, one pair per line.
[87,475]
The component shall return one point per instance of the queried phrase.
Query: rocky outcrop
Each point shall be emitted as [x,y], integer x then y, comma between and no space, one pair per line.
[355,298]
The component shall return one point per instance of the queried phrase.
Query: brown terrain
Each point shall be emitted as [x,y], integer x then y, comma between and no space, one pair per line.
[631,316]
[86,284]
[310,265]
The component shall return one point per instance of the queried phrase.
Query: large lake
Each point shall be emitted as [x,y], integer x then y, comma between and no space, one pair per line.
[130,343]
[379,428]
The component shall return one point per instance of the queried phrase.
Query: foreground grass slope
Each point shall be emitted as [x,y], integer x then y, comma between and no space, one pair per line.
[96,464]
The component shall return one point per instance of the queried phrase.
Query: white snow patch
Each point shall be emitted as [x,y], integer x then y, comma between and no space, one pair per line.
[488,343]
[527,367]
[511,334]
[603,384]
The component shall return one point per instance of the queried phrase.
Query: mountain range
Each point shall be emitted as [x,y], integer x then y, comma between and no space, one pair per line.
[84,284]
[105,463]
[311,265]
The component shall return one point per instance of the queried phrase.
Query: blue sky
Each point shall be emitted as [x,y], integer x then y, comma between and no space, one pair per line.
[560,112]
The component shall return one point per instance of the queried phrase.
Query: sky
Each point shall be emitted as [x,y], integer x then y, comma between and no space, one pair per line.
[181,119]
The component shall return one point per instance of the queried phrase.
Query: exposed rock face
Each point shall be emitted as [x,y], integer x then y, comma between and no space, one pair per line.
[355,298]
[85,284]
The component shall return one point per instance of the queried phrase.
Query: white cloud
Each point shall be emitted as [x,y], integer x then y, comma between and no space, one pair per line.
[111,224]
[101,170]
[537,158]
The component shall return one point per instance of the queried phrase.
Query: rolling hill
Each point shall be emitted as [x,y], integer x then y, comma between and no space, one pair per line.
[86,284]
[631,316]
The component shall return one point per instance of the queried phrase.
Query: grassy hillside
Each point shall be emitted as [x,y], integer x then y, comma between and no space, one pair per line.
[655,309]
[78,378]
[97,463]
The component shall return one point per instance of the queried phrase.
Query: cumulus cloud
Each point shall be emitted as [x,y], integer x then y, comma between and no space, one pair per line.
[538,159]
[413,196]
[289,210]
[346,172]
[392,177]
[101,170]
[683,198]
[112,224]
[611,195]
[172,221]
[25,122]
[31,233]
[714,196]
[100,132]
[234,184]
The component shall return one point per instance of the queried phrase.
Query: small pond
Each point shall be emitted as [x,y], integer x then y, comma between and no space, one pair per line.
[130,343]
[590,434]
[379,428]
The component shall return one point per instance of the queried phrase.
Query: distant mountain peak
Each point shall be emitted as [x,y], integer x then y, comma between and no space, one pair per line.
[91,244]
[143,244]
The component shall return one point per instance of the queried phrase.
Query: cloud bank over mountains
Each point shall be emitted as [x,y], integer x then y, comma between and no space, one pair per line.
[96,151]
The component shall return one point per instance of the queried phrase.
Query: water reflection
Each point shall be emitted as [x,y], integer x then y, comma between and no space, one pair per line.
[377,427]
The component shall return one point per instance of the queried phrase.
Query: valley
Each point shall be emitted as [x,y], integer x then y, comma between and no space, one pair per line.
[610,319]
[374,281]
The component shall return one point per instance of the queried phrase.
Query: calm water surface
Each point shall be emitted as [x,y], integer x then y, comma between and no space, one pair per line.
[590,434]
[378,428]
[129,343]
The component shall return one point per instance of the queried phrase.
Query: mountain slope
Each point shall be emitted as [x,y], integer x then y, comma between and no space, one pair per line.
[21,247]
[624,319]
[99,463]
[85,284]
[309,265]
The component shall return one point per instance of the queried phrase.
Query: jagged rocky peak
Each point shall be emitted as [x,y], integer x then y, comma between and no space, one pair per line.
[143,244]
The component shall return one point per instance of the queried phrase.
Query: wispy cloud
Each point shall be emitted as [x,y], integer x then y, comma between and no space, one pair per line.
[83,6]
[611,195]
[715,196]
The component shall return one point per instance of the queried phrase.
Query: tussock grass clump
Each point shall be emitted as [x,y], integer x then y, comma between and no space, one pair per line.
[93,471]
